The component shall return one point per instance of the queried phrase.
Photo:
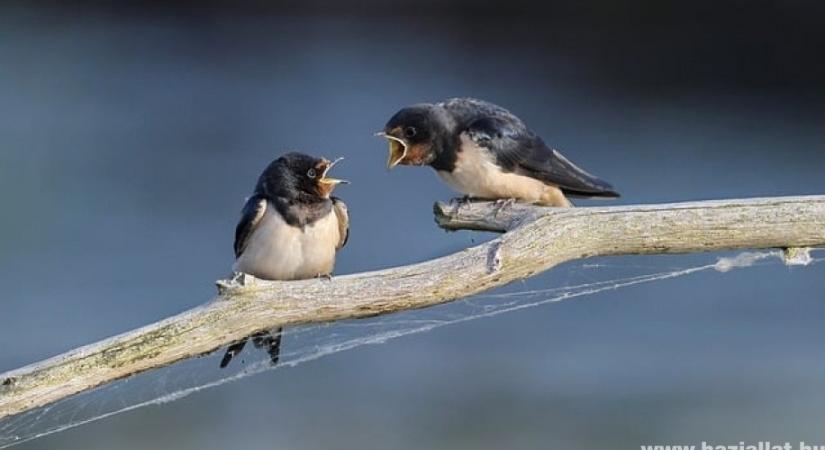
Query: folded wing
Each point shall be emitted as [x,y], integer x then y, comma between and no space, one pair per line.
[251,215]
[518,150]
[342,213]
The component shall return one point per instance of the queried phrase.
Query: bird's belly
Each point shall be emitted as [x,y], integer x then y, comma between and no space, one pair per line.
[279,251]
[476,174]
[479,178]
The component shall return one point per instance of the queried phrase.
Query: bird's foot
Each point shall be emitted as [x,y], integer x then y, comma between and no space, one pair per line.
[502,204]
[460,202]
[326,276]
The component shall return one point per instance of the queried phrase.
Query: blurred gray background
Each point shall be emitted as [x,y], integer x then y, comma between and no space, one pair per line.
[130,135]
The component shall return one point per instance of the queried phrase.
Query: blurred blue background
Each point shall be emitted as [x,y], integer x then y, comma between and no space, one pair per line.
[131,134]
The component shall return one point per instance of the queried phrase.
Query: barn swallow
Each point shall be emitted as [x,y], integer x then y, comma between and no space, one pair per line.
[290,229]
[482,150]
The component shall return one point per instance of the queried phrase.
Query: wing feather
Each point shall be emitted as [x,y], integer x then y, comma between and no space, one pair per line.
[251,215]
[342,213]
[519,150]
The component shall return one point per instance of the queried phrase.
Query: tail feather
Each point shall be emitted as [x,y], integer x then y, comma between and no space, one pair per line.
[233,351]
[271,342]
[268,340]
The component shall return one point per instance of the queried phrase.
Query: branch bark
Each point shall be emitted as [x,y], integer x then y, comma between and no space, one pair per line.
[536,240]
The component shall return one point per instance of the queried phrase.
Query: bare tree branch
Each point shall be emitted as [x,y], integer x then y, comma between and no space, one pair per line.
[537,239]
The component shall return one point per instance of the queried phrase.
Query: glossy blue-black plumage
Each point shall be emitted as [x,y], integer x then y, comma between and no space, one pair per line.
[438,128]
[517,149]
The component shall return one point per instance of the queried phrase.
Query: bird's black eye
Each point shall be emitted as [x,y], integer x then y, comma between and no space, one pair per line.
[410,132]
[311,173]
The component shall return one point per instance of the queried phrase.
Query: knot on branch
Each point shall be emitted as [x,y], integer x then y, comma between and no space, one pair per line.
[238,280]
[7,383]
[494,258]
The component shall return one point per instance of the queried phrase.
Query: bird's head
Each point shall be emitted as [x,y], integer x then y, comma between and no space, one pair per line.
[308,174]
[414,135]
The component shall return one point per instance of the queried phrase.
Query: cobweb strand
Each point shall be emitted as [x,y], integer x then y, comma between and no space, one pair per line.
[313,342]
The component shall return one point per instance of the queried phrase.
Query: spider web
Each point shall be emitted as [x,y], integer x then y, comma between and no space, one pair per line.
[307,343]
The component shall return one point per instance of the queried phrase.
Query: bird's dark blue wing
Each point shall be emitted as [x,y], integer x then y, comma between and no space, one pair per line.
[519,150]
[342,214]
[251,215]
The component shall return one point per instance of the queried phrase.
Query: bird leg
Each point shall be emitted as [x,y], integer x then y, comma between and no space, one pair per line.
[501,204]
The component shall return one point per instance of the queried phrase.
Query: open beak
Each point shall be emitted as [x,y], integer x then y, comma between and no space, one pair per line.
[398,149]
[332,181]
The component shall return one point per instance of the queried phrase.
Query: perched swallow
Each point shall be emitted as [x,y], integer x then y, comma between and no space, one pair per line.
[290,229]
[482,150]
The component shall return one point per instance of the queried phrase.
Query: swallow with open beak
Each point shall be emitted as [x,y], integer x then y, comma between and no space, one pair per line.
[290,229]
[482,150]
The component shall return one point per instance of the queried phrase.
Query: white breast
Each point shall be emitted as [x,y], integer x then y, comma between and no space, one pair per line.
[477,175]
[278,251]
